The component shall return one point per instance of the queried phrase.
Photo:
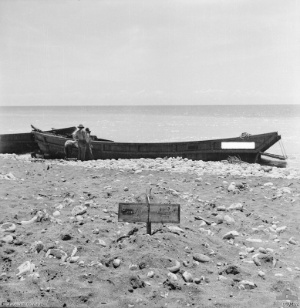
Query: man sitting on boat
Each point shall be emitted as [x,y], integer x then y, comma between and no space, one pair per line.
[80,136]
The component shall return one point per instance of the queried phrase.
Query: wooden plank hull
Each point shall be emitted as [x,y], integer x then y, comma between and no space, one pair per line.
[208,150]
[18,143]
[24,142]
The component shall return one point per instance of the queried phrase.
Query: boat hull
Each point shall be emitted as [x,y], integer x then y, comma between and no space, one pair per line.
[24,142]
[18,143]
[247,149]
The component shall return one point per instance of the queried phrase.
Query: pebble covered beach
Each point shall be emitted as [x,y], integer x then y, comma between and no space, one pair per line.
[61,245]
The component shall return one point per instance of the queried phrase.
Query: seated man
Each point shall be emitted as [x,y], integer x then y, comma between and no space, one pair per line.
[69,146]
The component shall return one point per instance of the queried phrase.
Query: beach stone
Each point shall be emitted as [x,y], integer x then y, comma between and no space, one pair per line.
[175,229]
[262,250]
[65,237]
[186,263]
[59,207]
[57,253]
[187,277]
[25,268]
[208,232]
[79,218]
[8,176]
[56,213]
[254,240]
[79,210]
[235,207]
[230,235]
[7,239]
[142,265]
[231,187]
[261,274]
[219,219]
[133,267]
[230,270]
[150,274]
[250,249]
[136,282]
[8,227]
[248,284]
[221,208]
[18,242]
[222,278]
[201,258]
[229,220]
[37,246]
[281,229]
[285,190]
[89,203]
[172,276]
[202,224]
[101,242]
[256,260]
[292,241]
[171,285]
[116,263]
[197,280]
[74,259]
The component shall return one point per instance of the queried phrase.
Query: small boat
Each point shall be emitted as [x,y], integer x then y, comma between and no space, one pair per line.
[24,142]
[247,148]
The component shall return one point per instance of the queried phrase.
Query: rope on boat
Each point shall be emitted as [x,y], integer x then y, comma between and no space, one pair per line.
[234,159]
[245,135]
[282,148]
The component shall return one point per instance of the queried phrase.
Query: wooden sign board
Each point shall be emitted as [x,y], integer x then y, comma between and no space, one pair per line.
[159,213]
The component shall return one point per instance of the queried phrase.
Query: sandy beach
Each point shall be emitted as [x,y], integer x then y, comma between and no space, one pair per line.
[237,244]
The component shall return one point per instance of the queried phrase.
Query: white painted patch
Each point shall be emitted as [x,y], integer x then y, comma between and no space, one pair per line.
[238,145]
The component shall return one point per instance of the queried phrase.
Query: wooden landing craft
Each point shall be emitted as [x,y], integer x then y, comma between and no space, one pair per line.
[24,142]
[248,148]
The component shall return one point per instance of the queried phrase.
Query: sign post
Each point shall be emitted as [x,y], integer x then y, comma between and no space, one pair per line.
[148,222]
[149,213]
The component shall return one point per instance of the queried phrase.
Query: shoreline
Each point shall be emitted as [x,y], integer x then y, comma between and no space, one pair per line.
[173,164]
[237,242]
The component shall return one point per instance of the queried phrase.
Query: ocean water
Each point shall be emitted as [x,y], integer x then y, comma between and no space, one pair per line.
[165,123]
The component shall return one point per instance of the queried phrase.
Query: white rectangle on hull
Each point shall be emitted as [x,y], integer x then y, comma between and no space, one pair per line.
[238,145]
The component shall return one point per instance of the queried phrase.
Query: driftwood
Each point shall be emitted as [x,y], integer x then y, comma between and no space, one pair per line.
[131,232]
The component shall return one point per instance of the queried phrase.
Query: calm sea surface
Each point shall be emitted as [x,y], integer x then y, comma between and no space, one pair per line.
[165,123]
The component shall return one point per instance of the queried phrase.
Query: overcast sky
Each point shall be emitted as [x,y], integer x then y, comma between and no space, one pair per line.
[98,52]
